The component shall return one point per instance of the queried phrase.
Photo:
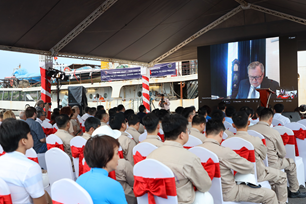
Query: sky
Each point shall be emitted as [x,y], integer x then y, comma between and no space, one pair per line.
[10,60]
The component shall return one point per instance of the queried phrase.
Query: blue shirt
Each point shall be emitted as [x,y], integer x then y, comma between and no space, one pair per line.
[37,133]
[102,188]
[228,119]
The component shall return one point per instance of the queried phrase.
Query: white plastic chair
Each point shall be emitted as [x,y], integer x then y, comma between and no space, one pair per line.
[232,129]
[143,136]
[1,150]
[59,165]
[276,122]
[30,153]
[69,192]
[227,125]
[144,148]
[303,122]
[52,139]
[263,139]
[192,141]
[224,136]
[78,142]
[150,168]
[290,150]
[129,135]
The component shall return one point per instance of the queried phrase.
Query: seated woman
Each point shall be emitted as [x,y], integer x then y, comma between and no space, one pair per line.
[101,155]
[23,176]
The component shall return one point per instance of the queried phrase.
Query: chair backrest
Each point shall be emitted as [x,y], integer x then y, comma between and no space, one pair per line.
[224,136]
[303,122]
[144,148]
[276,122]
[290,149]
[263,139]
[31,153]
[4,189]
[232,129]
[227,125]
[77,142]
[143,136]
[150,168]
[69,192]
[1,150]
[129,135]
[295,126]
[192,141]
[216,186]
[58,164]
[52,139]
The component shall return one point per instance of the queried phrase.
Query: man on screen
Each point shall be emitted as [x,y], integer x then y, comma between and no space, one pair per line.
[256,79]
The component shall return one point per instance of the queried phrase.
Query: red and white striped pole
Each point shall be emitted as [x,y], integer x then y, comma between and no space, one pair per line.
[45,62]
[145,72]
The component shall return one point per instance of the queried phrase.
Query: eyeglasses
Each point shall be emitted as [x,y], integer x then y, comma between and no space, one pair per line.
[255,77]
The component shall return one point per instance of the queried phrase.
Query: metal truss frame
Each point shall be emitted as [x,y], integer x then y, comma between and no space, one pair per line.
[82,26]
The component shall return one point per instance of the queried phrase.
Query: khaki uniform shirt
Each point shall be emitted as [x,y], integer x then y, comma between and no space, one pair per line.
[141,128]
[124,175]
[260,152]
[195,132]
[154,140]
[186,167]
[86,136]
[276,148]
[127,144]
[228,160]
[135,134]
[65,137]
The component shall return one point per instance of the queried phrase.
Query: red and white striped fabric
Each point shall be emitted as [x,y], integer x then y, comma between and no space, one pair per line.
[44,65]
[145,88]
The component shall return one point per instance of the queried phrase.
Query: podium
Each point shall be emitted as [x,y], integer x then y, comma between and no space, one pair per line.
[265,95]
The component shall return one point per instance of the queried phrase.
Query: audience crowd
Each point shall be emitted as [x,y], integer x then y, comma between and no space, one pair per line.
[111,136]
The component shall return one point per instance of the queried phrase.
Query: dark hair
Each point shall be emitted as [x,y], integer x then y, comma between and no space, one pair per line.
[99,150]
[217,115]
[247,110]
[40,113]
[112,112]
[202,111]
[1,114]
[29,112]
[266,114]
[11,132]
[198,120]
[240,119]
[99,114]
[187,111]
[66,111]
[279,108]
[53,116]
[56,111]
[141,108]
[179,110]
[173,126]
[230,110]
[259,109]
[133,119]
[100,107]
[150,121]
[120,107]
[62,120]
[91,122]
[86,109]
[221,105]
[116,122]
[207,108]
[214,127]
[128,112]
[92,111]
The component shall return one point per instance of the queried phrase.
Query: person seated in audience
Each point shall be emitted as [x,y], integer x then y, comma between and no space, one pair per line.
[203,112]
[41,119]
[276,151]
[127,144]
[229,112]
[37,131]
[186,166]
[22,116]
[1,117]
[23,176]
[86,115]
[208,111]
[41,116]
[198,127]
[276,178]
[8,114]
[53,116]
[72,127]
[124,171]
[188,113]
[230,160]
[120,108]
[278,110]
[91,124]
[222,107]
[63,125]
[151,123]
[75,122]
[102,116]
[217,115]
[133,122]
[179,110]
[249,111]
[257,113]
[112,112]
[77,110]
[100,107]
[142,112]
[101,155]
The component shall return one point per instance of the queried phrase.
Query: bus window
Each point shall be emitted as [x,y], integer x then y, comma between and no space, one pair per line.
[7,95]
[18,96]
[31,95]
[1,95]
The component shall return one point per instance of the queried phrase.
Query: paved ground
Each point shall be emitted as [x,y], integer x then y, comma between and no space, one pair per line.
[298,200]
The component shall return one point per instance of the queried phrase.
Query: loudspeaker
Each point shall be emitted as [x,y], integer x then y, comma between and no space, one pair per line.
[293,116]
[77,96]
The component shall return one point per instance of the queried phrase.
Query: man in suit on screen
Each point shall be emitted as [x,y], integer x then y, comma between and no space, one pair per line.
[256,79]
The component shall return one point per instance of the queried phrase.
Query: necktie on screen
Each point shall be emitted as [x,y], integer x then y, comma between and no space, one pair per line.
[253,95]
